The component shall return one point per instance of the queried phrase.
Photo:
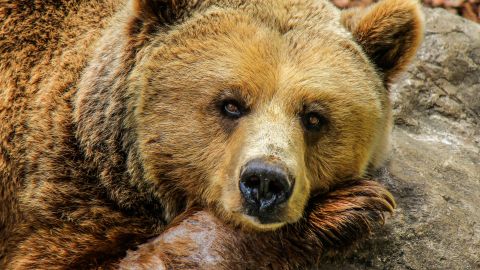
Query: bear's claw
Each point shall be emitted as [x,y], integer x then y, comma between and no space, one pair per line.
[333,222]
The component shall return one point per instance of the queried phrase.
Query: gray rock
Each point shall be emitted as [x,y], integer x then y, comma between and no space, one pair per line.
[434,171]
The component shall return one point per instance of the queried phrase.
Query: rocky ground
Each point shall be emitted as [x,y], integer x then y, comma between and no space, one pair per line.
[469,9]
[434,172]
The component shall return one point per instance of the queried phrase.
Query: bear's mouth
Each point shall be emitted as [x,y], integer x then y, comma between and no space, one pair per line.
[265,222]
[268,219]
[265,215]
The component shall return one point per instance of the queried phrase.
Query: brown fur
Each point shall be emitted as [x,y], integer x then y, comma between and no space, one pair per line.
[199,240]
[390,48]
[109,131]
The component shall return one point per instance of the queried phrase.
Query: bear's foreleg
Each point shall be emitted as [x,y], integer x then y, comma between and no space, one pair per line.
[332,223]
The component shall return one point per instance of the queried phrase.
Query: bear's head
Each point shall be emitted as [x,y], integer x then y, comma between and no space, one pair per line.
[252,107]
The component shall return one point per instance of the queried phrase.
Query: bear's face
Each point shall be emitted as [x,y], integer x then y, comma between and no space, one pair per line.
[252,114]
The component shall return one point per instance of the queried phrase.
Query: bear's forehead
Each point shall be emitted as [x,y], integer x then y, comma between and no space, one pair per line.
[273,30]
[282,15]
[266,48]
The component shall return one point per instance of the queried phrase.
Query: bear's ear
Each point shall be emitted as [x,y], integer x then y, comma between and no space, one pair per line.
[162,11]
[390,33]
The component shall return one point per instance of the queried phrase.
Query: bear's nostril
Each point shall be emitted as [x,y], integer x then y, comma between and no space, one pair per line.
[252,182]
[264,185]
[276,187]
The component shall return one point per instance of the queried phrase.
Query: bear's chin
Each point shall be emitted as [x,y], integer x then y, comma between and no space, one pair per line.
[257,224]
[254,223]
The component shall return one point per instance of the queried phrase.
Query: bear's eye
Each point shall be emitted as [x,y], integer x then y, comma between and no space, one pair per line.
[314,121]
[232,109]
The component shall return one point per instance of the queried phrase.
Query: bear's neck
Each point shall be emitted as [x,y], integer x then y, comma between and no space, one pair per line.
[105,126]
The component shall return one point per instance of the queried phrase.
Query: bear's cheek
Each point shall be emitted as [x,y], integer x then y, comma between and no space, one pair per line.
[344,151]
[299,198]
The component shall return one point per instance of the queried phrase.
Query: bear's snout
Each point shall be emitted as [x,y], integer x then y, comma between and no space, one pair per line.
[265,185]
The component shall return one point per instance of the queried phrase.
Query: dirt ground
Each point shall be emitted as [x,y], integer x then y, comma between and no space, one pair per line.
[469,9]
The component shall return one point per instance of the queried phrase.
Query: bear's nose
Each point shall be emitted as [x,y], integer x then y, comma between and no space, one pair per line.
[264,185]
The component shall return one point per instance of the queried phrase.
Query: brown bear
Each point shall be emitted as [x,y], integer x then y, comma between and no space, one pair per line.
[120,118]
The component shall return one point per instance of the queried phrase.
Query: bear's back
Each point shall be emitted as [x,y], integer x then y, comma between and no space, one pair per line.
[37,47]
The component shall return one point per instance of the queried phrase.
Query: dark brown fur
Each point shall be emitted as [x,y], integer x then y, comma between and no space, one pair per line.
[199,240]
[44,47]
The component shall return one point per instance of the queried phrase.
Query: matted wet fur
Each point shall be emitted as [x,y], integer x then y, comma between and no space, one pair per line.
[112,120]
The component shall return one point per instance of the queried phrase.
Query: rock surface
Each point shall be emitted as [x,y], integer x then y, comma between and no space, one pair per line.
[434,172]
